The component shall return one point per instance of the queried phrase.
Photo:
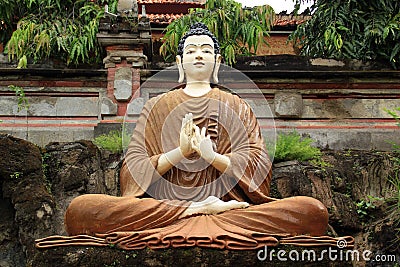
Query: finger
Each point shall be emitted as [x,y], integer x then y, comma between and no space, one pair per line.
[208,136]
[197,132]
[187,131]
[187,124]
[194,144]
[203,132]
[183,122]
[190,122]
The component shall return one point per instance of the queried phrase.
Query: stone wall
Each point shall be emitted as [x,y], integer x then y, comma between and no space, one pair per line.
[64,105]
[339,104]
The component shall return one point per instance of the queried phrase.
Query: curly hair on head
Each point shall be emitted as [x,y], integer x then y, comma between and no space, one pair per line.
[198,28]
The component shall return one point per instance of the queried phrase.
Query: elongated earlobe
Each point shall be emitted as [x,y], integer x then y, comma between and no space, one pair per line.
[180,69]
[218,59]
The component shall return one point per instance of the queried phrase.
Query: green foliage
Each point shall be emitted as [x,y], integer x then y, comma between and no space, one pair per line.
[64,29]
[352,29]
[395,198]
[366,206]
[238,30]
[115,141]
[15,175]
[394,180]
[22,100]
[395,115]
[292,146]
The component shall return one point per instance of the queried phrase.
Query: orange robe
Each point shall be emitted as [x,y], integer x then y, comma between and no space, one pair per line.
[147,213]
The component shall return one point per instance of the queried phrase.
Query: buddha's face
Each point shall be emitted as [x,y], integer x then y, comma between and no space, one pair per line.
[198,58]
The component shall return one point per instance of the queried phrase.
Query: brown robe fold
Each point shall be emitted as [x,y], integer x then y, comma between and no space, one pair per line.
[234,131]
[147,214]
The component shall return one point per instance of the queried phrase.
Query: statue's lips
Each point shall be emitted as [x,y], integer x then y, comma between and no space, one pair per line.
[199,64]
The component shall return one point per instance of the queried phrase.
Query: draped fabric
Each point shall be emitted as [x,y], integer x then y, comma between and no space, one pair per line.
[235,133]
[297,221]
[148,212]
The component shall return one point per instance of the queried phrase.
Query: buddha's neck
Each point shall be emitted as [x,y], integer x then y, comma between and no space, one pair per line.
[196,89]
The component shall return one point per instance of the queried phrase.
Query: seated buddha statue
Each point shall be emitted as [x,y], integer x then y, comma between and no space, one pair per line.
[196,171]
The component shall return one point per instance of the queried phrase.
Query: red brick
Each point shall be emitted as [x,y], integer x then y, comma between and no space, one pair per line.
[122,107]
[69,83]
[118,47]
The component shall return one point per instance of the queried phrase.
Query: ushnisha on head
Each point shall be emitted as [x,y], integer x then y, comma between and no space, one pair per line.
[198,56]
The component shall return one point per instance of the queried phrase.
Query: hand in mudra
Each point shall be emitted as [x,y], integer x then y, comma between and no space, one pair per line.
[192,139]
[186,135]
[202,144]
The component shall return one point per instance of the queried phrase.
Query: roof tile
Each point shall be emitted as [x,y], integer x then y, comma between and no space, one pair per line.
[163,18]
[142,2]
[281,21]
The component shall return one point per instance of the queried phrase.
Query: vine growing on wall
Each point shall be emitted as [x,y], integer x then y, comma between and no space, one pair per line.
[34,30]
[352,29]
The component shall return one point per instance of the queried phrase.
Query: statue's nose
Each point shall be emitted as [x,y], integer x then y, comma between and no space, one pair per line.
[199,57]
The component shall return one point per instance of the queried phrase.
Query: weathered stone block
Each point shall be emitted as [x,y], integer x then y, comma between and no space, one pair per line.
[135,106]
[108,107]
[123,84]
[109,65]
[260,107]
[326,62]
[77,106]
[288,105]
[343,108]
[51,106]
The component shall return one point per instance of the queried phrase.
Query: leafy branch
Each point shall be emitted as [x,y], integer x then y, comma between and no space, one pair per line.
[60,29]
[351,29]
[239,30]
[292,146]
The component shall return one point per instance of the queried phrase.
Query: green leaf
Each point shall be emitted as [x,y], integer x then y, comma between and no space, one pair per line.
[22,63]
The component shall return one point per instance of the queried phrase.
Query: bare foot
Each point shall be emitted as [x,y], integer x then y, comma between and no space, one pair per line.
[213,205]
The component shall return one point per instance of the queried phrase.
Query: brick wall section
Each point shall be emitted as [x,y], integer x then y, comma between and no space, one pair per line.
[277,46]
[339,108]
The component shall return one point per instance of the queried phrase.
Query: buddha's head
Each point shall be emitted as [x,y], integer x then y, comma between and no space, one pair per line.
[198,55]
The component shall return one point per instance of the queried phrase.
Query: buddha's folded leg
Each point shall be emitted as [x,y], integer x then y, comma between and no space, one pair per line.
[97,213]
[295,216]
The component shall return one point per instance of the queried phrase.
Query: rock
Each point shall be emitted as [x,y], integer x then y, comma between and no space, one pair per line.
[11,253]
[351,176]
[108,256]
[18,157]
[36,193]
[24,187]
[73,169]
